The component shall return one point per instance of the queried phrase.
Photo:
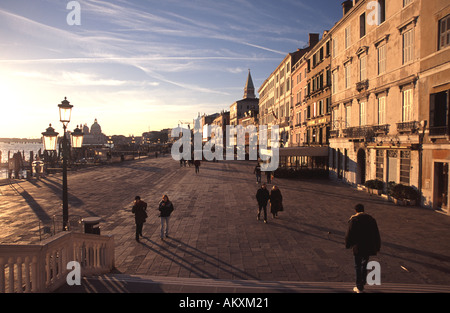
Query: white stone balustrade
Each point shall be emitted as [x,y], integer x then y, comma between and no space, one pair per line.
[43,267]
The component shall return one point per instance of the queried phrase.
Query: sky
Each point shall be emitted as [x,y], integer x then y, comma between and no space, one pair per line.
[142,65]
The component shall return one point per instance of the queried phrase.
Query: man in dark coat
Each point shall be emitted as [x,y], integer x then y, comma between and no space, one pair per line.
[262,196]
[363,236]
[140,214]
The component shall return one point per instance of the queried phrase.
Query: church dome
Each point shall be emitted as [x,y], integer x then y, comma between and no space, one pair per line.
[95,128]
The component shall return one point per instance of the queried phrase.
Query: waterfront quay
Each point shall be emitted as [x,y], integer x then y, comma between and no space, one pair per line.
[214,233]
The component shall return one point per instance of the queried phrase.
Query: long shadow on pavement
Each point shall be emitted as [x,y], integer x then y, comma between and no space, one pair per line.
[57,190]
[203,256]
[38,210]
[36,207]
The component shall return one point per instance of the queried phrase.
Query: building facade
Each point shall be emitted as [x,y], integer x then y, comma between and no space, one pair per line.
[275,99]
[375,94]
[299,111]
[434,99]
[276,102]
[318,93]
[310,109]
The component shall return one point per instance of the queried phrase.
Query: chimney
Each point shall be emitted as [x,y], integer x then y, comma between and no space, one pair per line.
[346,6]
[313,39]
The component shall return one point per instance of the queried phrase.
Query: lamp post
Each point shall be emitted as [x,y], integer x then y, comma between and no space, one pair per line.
[49,139]
[65,112]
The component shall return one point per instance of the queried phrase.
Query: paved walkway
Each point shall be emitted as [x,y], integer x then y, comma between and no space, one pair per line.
[214,232]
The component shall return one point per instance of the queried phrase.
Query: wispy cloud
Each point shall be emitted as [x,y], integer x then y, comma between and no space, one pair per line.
[80,79]
[151,56]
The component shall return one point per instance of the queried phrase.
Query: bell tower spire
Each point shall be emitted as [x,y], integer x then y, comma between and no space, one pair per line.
[249,90]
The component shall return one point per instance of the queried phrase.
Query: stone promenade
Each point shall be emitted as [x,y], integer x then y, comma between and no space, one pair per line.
[214,232]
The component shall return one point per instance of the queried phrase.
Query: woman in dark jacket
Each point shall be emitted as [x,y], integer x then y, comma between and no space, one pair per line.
[276,201]
[165,208]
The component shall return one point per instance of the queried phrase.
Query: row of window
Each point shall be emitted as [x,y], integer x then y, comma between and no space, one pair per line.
[316,109]
[407,50]
[381,109]
[407,44]
[407,56]
[381,15]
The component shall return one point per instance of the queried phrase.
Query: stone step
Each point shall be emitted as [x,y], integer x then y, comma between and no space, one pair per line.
[124,283]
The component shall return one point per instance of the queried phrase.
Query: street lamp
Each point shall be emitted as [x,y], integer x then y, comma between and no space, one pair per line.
[65,111]
[50,140]
[77,138]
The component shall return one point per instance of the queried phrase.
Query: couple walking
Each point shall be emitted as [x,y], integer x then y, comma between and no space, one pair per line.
[257,171]
[276,201]
[139,209]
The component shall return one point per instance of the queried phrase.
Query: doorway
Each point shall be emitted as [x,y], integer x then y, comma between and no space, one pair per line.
[361,167]
[441,186]
[392,166]
[339,164]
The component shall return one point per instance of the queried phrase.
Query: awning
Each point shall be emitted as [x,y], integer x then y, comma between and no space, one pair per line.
[304,151]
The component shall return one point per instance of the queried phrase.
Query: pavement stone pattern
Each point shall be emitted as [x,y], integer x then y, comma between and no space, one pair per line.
[214,233]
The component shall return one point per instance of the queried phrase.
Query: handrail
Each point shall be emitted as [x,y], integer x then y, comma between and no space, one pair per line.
[43,267]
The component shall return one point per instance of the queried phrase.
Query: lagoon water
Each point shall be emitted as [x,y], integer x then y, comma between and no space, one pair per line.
[15,147]
[19,146]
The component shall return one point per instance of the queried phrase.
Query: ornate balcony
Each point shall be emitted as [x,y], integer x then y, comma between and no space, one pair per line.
[366,133]
[381,129]
[361,132]
[408,127]
[362,85]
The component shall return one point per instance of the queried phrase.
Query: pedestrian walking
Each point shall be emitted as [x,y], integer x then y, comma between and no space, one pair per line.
[276,201]
[165,208]
[269,176]
[364,238]
[197,166]
[257,172]
[262,196]
[140,214]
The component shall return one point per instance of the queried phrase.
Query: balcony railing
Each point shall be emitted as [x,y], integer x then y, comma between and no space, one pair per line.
[381,129]
[365,132]
[408,127]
